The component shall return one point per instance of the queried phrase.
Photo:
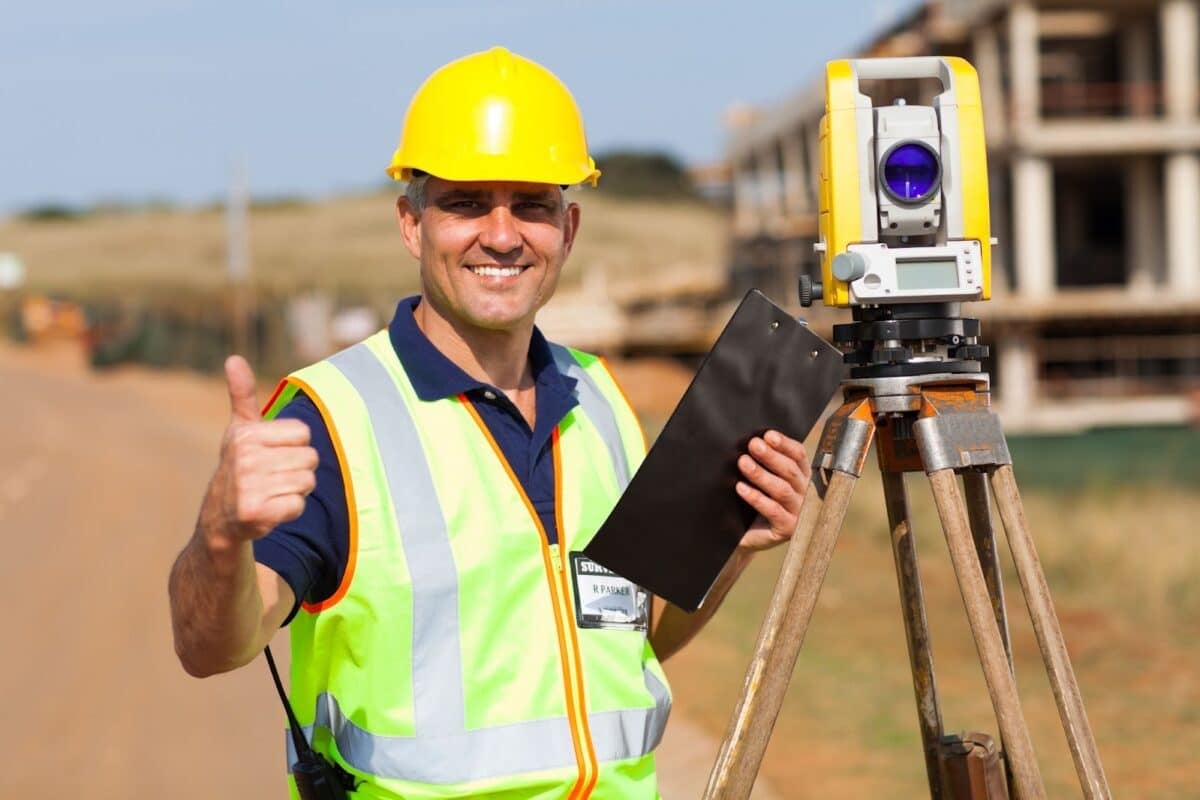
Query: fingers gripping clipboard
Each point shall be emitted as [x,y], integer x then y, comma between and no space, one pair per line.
[680,518]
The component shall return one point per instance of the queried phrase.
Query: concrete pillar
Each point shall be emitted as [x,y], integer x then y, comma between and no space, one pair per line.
[1182,185]
[1024,69]
[1033,226]
[1137,67]
[795,175]
[1143,224]
[1017,365]
[986,50]
[1180,29]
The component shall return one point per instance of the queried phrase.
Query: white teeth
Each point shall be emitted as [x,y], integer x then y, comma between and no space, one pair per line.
[497,272]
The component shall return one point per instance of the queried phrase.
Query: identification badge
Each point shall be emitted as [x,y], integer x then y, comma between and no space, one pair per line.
[603,599]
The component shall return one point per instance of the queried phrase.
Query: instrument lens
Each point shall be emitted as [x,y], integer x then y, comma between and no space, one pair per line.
[911,172]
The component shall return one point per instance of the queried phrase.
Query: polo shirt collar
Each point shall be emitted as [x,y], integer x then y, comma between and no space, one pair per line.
[435,377]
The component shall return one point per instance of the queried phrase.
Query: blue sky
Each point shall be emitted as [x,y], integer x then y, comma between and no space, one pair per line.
[133,100]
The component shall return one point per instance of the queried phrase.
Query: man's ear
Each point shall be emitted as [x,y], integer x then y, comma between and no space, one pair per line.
[570,227]
[409,220]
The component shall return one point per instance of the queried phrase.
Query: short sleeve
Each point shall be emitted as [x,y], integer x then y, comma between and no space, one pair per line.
[310,552]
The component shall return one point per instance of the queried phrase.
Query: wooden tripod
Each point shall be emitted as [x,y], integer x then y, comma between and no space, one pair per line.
[939,424]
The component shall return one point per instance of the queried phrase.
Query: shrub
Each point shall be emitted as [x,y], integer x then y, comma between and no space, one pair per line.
[644,174]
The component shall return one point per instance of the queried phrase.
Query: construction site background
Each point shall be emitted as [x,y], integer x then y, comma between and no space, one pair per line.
[112,411]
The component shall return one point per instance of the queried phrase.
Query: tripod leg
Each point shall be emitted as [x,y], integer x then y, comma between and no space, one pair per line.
[916,628]
[1050,638]
[980,513]
[795,597]
[778,646]
[1000,682]
[979,510]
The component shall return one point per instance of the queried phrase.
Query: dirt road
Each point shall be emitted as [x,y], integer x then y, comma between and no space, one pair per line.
[100,476]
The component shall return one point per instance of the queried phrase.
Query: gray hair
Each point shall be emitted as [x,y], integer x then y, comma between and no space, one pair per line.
[415,192]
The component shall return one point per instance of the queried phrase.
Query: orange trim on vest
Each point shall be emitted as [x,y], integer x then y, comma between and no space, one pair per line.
[274,396]
[585,752]
[556,452]
[351,508]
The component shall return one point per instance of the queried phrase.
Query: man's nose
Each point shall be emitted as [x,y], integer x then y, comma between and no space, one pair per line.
[500,232]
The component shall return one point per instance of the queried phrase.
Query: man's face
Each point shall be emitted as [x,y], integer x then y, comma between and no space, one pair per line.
[490,251]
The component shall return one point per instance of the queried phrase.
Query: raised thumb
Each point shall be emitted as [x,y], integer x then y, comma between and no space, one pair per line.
[239,378]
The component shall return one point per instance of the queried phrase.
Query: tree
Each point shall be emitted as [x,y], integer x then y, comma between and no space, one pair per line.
[644,173]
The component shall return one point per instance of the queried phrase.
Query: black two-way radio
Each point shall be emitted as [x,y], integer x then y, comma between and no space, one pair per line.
[317,778]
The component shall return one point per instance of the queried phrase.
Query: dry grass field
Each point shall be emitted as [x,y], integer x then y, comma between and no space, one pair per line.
[1124,566]
[345,243]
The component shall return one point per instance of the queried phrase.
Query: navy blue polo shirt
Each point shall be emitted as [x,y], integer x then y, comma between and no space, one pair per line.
[311,551]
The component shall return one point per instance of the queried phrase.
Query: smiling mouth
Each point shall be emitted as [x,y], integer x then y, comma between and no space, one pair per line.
[495,271]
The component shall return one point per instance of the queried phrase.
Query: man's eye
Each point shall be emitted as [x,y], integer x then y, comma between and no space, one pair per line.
[534,206]
[464,205]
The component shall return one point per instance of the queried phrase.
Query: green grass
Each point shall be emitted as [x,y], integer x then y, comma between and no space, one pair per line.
[1109,457]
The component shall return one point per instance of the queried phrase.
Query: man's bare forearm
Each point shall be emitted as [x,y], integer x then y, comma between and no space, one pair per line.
[224,608]
[675,627]
[216,607]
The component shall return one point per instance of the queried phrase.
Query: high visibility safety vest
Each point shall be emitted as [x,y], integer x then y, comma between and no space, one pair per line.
[449,663]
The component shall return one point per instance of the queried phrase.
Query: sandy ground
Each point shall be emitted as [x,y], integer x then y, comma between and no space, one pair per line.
[100,477]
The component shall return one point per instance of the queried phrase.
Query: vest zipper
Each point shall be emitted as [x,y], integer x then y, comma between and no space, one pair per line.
[560,600]
[572,663]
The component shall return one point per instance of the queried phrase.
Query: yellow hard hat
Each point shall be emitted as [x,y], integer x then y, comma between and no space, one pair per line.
[494,116]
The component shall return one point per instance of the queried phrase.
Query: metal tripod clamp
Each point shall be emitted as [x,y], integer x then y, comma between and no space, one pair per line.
[846,439]
[961,440]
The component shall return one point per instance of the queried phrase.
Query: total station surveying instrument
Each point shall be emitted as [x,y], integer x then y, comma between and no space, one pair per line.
[904,240]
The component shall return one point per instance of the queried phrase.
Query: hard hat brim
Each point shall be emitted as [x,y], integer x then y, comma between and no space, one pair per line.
[590,176]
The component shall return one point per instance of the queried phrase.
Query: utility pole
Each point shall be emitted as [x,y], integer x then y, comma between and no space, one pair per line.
[241,292]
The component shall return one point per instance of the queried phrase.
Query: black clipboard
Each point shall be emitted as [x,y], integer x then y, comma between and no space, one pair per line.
[680,518]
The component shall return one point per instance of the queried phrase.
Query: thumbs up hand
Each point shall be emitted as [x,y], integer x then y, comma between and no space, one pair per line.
[266,469]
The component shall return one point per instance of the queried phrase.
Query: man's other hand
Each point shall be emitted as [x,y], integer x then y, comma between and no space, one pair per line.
[777,473]
[266,470]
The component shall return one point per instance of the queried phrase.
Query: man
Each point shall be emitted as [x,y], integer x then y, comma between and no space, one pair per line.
[426,493]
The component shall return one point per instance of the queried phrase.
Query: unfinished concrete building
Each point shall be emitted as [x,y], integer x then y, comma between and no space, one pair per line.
[1092,113]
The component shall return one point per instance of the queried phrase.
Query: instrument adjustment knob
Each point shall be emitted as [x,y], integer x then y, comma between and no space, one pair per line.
[849,266]
[809,290]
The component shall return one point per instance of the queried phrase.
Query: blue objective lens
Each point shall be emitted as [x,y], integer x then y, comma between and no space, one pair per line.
[911,172]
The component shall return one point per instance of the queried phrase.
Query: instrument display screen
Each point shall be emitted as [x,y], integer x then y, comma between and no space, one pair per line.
[919,275]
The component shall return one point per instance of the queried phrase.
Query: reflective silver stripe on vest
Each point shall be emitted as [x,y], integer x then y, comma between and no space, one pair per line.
[619,735]
[597,410]
[437,675]
[492,752]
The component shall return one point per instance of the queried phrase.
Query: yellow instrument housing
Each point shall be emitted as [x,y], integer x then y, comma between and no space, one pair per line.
[847,190]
